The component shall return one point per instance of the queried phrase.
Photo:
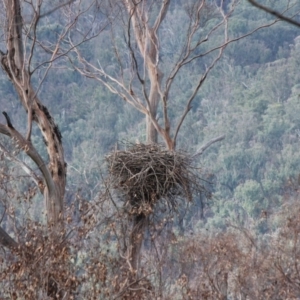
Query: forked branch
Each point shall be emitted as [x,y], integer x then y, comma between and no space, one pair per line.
[16,63]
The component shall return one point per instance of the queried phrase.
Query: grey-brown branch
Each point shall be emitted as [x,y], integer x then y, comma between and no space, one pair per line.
[9,124]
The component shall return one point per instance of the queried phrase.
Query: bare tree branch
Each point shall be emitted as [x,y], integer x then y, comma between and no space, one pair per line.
[23,165]
[144,43]
[189,102]
[207,145]
[275,13]
[26,146]
[49,12]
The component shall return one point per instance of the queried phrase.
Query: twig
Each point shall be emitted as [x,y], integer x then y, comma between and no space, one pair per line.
[207,145]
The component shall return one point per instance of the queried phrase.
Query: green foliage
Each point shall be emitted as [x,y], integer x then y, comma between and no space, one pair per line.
[250,195]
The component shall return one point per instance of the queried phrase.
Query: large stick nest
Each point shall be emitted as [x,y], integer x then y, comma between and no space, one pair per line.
[145,174]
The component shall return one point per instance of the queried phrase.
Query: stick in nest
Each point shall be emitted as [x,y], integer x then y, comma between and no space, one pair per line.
[145,174]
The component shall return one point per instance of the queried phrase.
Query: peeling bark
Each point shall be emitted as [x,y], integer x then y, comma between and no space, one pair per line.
[148,43]
[14,64]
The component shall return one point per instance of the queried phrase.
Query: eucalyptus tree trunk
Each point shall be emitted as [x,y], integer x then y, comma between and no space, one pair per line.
[16,63]
[147,42]
[155,76]
[136,241]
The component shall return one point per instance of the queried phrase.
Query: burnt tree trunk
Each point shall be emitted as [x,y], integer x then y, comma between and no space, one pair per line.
[17,67]
[136,241]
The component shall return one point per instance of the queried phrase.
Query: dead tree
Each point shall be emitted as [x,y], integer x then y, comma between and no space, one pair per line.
[141,78]
[16,62]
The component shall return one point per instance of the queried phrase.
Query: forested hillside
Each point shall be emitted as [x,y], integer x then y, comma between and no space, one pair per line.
[251,97]
[250,178]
